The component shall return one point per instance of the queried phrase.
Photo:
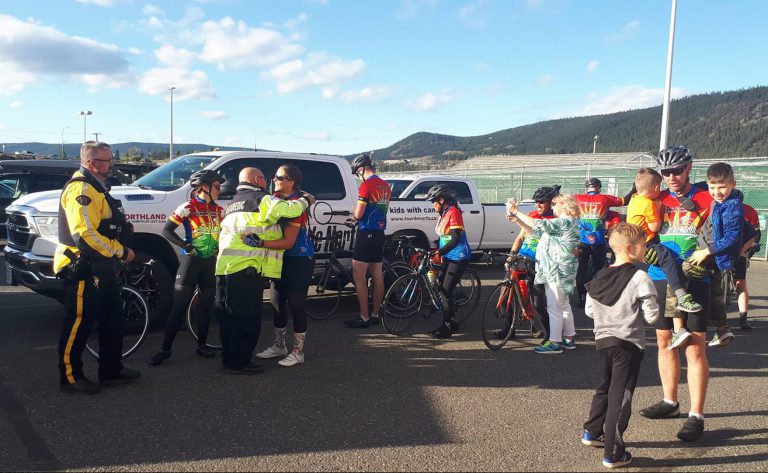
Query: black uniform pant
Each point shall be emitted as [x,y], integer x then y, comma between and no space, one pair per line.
[193,272]
[290,291]
[92,299]
[239,305]
[612,402]
[597,254]
[448,278]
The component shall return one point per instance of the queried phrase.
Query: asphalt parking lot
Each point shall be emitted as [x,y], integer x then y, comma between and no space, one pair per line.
[364,400]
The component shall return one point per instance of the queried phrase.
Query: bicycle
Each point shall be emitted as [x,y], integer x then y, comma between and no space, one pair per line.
[135,314]
[729,286]
[404,299]
[509,303]
[192,323]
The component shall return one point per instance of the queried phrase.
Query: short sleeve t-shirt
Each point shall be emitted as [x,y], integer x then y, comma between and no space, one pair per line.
[641,211]
[453,220]
[594,208]
[530,243]
[375,194]
[303,245]
[202,225]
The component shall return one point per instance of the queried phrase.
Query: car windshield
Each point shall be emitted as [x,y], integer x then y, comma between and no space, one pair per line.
[174,174]
[398,186]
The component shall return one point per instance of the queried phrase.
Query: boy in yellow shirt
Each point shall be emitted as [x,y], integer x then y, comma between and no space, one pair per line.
[645,211]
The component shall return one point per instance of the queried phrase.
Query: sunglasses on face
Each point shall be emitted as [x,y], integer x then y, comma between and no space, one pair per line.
[281,178]
[673,172]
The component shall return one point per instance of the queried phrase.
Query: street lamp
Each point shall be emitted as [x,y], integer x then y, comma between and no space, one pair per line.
[85,114]
[668,78]
[62,142]
[594,144]
[170,149]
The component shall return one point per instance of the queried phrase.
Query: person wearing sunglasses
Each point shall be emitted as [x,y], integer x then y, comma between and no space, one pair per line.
[200,218]
[290,291]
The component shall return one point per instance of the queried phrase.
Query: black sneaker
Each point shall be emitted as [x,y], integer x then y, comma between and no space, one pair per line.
[660,410]
[442,332]
[743,324]
[357,323]
[159,357]
[249,369]
[81,386]
[205,351]
[453,325]
[691,430]
[126,375]
[374,320]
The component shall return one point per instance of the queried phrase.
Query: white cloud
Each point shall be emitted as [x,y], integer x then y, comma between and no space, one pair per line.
[470,13]
[592,66]
[545,80]
[318,69]
[13,79]
[96,82]
[189,84]
[213,114]
[626,32]
[174,57]
[15,104]
[294,23]
[103,3]
[619,99]
[321,136]
[371,93]
[151,10]
[410,8]
[429,102]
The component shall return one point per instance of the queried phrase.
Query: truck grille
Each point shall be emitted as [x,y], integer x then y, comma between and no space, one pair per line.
[19,235]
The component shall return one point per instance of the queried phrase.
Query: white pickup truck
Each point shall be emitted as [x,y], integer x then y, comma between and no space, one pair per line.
[33,219]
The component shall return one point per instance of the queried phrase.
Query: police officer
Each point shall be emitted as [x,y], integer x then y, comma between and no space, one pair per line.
[93,232]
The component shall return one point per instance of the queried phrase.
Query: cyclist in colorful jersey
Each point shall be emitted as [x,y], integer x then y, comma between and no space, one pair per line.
[454,251]
[290,291]
[368,253]
[201,220]
[685,207]
[594,208]
[525,245]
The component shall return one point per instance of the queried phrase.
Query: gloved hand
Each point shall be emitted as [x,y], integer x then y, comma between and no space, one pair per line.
[350,222]
[651,257]
[252,240]
[693,271]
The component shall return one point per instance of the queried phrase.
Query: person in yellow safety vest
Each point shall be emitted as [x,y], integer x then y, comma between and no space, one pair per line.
[244,264]
[93,237]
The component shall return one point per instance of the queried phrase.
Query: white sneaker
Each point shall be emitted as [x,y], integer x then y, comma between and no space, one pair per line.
[292,360]
[272,352]
[723,337]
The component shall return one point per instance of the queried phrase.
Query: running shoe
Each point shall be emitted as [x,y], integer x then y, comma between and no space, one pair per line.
[568,344]
[592,440]
[159,357]
[691,430]
[625,460]
[549,348]
[722,337]
[660,410]
[272,351]
[295,358]
[357,323]
[687,304]
[679,339]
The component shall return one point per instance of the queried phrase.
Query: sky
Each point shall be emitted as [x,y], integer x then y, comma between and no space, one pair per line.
[347,76]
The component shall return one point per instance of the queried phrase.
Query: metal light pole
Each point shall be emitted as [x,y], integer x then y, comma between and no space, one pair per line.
[668,79]
[594,144]
[62,142]
[96,135]
[85,118]
[170,148]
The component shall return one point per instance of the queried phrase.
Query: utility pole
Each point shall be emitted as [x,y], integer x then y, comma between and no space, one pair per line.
[85,114]
[668,78]
[170,148]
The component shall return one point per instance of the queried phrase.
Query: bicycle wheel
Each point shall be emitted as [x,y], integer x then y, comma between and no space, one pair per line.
[323,298]
[728,287]
[402,304]
[135,324]
[467,295]
[214,335]
[500,316]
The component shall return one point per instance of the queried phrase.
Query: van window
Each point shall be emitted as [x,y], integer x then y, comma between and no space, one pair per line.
[397,186]
[321,179]
[463,194]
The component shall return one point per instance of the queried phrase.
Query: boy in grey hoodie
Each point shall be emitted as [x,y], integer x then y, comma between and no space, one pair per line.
[618,299]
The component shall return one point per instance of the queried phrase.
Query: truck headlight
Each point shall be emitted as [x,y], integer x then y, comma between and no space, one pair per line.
[47,227]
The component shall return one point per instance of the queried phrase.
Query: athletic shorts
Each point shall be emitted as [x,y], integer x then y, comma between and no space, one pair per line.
[296,275]
[196,271]
[694,322]
[740,268]
[369,246]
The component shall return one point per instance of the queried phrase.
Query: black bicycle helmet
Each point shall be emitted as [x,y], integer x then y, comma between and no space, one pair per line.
[546,193]
[205,176]
[593,182]
[441,190]
[673,157]
[361,161]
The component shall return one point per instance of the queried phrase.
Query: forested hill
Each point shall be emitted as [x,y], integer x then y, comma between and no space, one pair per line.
[713,125]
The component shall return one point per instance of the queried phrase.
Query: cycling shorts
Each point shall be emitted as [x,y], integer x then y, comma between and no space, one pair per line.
[369,246]
[740,268]
[196,271]
[694,322]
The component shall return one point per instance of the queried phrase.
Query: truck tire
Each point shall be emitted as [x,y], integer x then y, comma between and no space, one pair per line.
[150,277]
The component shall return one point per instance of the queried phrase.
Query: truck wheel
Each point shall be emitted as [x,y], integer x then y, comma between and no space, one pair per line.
[150,277]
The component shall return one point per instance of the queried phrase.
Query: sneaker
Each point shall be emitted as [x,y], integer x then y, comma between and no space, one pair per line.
[679,339]
[249,369]
[357,323]
[375,320]
[81,386]
[292,360]
[442,332]
[549,348]
[687,304]
[205,351]
[454,326]
[743,324]
[159,357]
[592,440]
[126,375]
[660,410]
[625,460]
[272,352]
[568,344]
[722,337]
[691,430]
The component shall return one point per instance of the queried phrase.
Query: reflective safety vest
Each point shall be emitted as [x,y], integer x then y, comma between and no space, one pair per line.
[252,210]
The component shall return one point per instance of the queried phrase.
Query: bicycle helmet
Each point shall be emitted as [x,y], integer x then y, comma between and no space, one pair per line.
[205,176]
[673,157]
[441,190]
[546,193]
[593,182]
[364,160]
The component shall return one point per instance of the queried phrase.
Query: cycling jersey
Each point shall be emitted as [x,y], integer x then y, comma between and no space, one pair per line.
[681,227]
[750,215]
[303,245]
[452,219]
[594,208]
[202,224]
[528,248]
[375,194]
